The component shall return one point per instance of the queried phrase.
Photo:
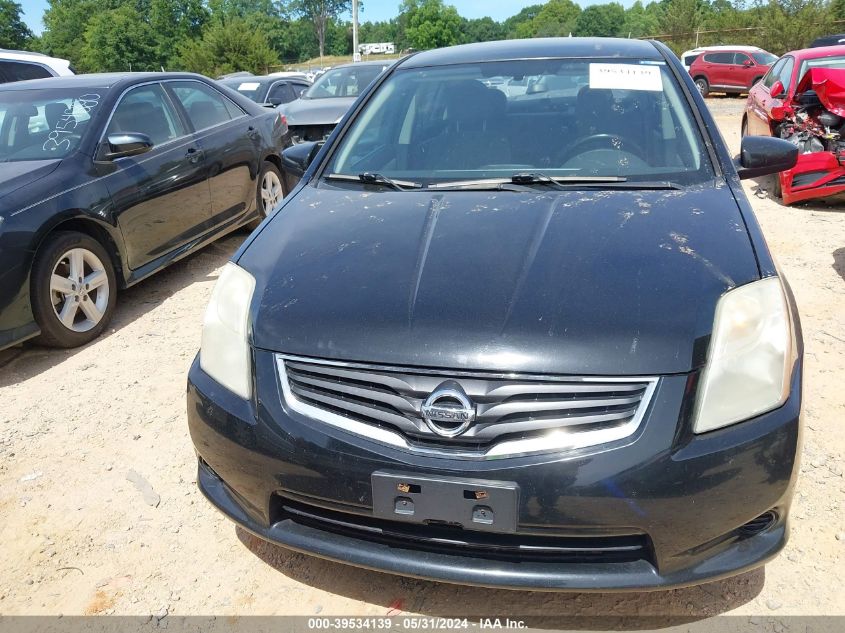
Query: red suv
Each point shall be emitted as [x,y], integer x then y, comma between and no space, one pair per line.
[730,71]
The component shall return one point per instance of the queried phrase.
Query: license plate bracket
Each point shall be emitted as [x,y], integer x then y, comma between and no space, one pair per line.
[474,504]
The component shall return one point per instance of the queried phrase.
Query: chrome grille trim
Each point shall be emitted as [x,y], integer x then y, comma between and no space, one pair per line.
[392,396]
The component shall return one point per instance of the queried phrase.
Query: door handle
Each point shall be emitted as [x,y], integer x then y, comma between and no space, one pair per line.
[194,155]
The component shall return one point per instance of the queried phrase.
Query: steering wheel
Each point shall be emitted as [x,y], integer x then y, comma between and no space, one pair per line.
[629,146]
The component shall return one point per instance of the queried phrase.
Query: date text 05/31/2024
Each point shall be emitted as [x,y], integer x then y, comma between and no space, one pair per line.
[413,623]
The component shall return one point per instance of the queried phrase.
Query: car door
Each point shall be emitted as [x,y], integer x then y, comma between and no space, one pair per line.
[230,142]
[161,198]
[720,70]
[746,70]
[760,100]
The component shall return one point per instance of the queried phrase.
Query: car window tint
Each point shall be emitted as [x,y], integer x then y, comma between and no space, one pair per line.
[689,59]
[741,58]
[21,71]
[719,58]
[146,110]
[46,123]
[445,123]
[281,93]
[785,72]
[205,106]
[298,89]
[772,76]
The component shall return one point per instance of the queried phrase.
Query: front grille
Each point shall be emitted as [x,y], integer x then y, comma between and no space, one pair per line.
[316,133]
[515,414]
[459,542]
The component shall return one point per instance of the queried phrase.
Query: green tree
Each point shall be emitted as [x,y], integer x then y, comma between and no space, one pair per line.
[320,13]
[119,40]
[792,24]
[556,18]
[430,23]
[641,21]
[601,20]
[681,19]
[226,48]
[513,23]
[174,22]
[482,30]
[13,32]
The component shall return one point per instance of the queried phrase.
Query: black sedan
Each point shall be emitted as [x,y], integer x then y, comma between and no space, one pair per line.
[531,343]
[268,90]
[106,179]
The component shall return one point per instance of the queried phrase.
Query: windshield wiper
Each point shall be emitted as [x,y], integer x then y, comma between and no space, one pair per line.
[376,179]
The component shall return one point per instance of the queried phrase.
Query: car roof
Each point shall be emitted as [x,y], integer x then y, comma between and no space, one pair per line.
[385,62]
[539,48]
[260,79]
[817,52]
[725,47]
[95,80]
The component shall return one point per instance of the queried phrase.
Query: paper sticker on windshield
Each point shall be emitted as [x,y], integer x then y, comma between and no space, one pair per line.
[625,77]
[252,85]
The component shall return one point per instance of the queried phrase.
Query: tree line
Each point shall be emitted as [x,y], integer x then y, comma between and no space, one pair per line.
[220,36]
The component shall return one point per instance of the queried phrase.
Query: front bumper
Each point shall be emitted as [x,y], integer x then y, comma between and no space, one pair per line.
[687,497]
[815,175]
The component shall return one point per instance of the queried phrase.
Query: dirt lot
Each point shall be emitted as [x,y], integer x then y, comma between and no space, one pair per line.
[80,538]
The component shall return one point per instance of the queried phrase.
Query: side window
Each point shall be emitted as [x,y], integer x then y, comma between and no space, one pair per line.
[741,58]
[719,58]
[147,110]
[205,106]
[772,76]
[21,71]
[298,89]
[280,93]
[785,73]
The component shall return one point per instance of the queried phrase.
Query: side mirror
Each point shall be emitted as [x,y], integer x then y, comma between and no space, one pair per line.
[274,101]
[747,63]
[297,159]
[762,155]
[777,90]
[124,144]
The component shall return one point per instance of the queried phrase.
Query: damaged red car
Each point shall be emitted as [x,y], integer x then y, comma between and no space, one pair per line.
[802,99]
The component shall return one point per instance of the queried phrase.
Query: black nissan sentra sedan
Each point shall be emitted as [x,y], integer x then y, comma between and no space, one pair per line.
[105,179]
[533,341]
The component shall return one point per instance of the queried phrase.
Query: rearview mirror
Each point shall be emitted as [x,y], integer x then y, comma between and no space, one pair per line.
[762,155]
[126,144]
[297,159]
[777,90]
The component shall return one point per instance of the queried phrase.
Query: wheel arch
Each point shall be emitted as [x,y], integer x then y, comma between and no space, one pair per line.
[104,233]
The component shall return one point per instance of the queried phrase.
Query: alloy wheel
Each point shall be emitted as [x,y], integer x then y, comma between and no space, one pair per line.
[79,290]
[271,191]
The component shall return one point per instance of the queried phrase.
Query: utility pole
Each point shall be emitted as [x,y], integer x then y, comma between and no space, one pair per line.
[356,54]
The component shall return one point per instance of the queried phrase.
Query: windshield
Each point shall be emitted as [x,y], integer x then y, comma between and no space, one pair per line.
[764,59]
[254,90]
[44,124]
[821,62]
[349,81]
[576,119]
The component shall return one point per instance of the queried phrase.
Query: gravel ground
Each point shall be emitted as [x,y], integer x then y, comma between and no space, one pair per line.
[101,514]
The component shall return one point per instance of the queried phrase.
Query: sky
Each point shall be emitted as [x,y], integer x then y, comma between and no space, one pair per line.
[373,10]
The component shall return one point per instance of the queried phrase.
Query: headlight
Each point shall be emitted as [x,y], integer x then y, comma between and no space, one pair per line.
[750,360]
[224,353]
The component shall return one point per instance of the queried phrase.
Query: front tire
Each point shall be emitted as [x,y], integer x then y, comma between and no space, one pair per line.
[269,192]
[73,289]
[703,86]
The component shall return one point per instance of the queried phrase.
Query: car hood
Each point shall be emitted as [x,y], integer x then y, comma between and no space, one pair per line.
[317,111]
[599,283]
[15,175]
[828,84]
